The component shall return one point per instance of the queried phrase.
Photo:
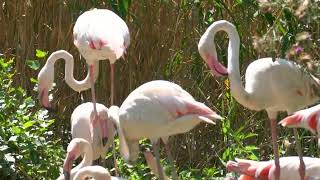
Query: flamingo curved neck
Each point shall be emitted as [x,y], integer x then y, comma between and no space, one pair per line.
[86,161]
[69,65]
[236,86]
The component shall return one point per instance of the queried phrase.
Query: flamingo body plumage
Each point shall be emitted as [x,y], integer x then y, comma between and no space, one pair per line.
[101,34]
[157,110]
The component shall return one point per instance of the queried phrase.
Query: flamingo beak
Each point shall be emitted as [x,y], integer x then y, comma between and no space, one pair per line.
[104,129]
[68,164]
[44,99]
[291,121]
[217,68]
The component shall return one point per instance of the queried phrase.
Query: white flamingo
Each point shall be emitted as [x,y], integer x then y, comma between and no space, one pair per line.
[264,170]
[275,86]
[157,110]
[80,127]
[95,173]
[76,147]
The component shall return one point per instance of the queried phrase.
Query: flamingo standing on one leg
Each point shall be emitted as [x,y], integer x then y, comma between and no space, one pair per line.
[275,86]
[157,110]
[76,147]
[264,170]
[80,127]
[307,118]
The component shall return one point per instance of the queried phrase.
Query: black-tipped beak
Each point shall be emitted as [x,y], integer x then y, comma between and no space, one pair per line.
[66,175]
[104,141]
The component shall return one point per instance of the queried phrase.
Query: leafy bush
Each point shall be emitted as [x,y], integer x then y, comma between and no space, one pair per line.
[26,150]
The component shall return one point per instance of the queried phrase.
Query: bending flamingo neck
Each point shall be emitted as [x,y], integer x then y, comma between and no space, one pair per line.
[236,86]
[86,161]
[69,65]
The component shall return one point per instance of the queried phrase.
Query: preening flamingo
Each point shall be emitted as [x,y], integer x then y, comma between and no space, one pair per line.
[275,86]
[95,173]
[264,170]
[157,110]
[76,147]
[80,127]
[307,118]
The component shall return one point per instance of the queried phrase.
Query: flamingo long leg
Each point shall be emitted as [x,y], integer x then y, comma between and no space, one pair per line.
[275,148]
[170,157]
[155,146]
[299,151]
[94,119]
[112,83]
[112,66]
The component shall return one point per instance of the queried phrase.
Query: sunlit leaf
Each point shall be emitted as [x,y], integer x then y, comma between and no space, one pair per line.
[33,64]
[40,54]
[28,124]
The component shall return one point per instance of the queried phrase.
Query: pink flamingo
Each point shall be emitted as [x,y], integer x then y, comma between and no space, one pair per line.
[157,110]
[76,147]
[275,86]
[264,170]
[307,118]
[80,127]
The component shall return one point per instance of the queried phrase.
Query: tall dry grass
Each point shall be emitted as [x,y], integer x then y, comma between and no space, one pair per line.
[164,37]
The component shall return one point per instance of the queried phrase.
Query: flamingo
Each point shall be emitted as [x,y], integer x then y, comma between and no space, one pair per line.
[157,110]
[96,173]
[80,127]
[307,118]
[76,147]
[274,86]
[264,170]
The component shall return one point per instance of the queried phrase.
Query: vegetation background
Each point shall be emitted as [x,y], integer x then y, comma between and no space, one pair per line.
[164,37]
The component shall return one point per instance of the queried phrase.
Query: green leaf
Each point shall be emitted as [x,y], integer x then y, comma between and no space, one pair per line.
[28,124]
[40,54]
[16,130]
[33,64]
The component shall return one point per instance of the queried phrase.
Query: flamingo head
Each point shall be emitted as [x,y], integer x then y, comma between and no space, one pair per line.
[75,148]
[107,127]
[45,81]
[208,51]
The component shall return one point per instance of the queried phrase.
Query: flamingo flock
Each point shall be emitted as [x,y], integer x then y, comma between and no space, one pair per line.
[159,109]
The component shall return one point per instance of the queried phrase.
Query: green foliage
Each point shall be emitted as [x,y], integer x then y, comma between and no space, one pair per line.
[27,152]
